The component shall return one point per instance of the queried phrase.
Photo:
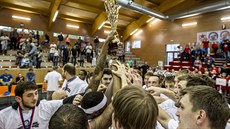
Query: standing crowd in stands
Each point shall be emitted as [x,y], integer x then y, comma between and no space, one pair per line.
[30,49]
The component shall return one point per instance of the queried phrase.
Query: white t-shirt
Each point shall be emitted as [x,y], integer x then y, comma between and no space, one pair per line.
[10,117]
[4,39]
[53,78]
[52,48]
[74,86]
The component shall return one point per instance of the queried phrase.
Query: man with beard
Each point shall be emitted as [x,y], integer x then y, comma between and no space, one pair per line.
[28,112]
[106,80]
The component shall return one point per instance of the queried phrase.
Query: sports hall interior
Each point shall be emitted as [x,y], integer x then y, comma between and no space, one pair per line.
[138,20]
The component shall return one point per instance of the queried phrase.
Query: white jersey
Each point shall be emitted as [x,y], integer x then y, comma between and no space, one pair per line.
[169,107]
[172,124]
[74,86]
[53,78]
[10,117]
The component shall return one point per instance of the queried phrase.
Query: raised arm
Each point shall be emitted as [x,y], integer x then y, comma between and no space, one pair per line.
[98,72]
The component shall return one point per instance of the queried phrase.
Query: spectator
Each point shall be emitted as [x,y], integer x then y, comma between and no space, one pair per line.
[39,59]
[83,75]
[209,61]
[74,55]
[13,39]
[53,46]
[197,62]
[89,50]
[55,58]
[30,76]
[67,40]
[6,80]
[54,80]
[33,54]
[65,55]
[215,47]
[19,78]
[60,39]
[25,62]
[4,42]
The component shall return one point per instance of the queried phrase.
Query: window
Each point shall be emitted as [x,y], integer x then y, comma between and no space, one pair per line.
[64,35]
[172,47]
[6,28]
[136,44]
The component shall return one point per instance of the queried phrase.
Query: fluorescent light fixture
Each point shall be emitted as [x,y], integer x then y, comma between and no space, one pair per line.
[134,32]
[189,24]
[106,32]
[72,26]
[223,8]
[102,24]
[55,16]
[225,18]
[150,19]
[155,21]
[139,32]
[190,15]
[22,18]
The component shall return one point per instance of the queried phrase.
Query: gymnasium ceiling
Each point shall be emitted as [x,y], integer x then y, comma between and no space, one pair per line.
[92,11]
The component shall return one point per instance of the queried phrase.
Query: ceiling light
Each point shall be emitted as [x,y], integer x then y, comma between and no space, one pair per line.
[225,18]
[138,32]
[134,32]
[190,15]
[155,21]
[150,19]
[55,16]
[72,26]
[102,24]
[223,8]
[106,32]
[22,18]
[189,24]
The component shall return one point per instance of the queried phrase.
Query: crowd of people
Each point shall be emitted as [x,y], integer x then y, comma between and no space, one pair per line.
[30,49]
[156,100]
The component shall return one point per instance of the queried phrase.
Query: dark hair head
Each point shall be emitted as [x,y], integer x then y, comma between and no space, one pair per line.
[93,99]
[107,71]
[69,116]
[70,69]
[84,71]
[23,87]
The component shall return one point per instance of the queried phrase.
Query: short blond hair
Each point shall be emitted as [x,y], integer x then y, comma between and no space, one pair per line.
[135,109]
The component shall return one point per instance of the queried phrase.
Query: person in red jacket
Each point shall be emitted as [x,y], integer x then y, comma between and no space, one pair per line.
[215,47]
